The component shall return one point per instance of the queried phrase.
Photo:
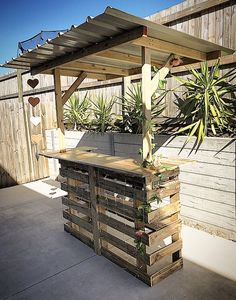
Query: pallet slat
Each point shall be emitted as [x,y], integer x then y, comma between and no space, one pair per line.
[110,211]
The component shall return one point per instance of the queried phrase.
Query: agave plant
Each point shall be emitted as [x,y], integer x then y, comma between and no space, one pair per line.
[133,115]
[103,116]
[206,106]
[76,112]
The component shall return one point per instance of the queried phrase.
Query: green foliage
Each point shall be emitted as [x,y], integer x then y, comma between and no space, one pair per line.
[143,209]
[140,246]
[103,116]
[76,112]
[133,115]
[206,106]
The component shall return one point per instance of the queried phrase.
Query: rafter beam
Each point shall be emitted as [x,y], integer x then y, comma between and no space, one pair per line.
[73,87]
[163,46]
[95,48]
[59,109]
[130,58]
[95,68]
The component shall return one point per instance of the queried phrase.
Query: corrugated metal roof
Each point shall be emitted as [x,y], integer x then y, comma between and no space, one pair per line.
[71,51]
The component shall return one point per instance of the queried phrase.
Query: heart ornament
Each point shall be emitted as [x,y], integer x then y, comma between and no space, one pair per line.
[33,82]
[33,101]
[36,138]
[35,120]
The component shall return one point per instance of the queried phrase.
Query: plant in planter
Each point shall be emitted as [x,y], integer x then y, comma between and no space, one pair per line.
[103,116]
[133,115]
[76,112]
[206,107]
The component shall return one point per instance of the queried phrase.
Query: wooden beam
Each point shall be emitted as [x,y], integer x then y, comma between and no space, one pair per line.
[95,68]
[161,74]
[224,61]
[121,56]
[59,110]
[95,48]
[197,8]
[155,44]
[73,87]
[146,101]
[234,31]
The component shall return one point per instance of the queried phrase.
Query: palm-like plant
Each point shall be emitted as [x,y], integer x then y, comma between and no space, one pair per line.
[133,115]
[76,112]
[206,106]
[103,116]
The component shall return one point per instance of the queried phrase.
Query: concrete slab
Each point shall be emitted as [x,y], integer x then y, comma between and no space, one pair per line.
[38,260]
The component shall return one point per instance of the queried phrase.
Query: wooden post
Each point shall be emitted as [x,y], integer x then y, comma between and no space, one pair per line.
[26,123]
[94,210]
[126,88]
[233,46]
[146,98]
[59,109]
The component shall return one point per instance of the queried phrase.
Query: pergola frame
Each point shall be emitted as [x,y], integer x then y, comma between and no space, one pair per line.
[115,44]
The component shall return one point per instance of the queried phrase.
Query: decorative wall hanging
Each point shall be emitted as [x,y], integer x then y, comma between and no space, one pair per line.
[33,101]
[35,120]
[33,82]
[36,138]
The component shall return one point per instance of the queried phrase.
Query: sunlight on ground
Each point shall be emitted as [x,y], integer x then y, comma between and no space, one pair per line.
[46,187]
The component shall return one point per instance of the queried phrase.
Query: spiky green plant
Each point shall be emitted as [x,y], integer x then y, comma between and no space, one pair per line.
[133,115]
[76,111]
[103,116]
[206,105]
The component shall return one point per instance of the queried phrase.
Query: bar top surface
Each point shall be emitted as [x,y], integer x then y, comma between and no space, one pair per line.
[115,163]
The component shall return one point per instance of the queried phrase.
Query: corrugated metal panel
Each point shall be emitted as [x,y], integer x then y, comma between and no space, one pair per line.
[109,24]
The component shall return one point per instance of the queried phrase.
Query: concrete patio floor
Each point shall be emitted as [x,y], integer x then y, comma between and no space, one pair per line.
[39,261]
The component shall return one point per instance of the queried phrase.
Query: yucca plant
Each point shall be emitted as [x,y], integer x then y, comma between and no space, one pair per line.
[103,116]
[133,116]
[206,106]
[76,112]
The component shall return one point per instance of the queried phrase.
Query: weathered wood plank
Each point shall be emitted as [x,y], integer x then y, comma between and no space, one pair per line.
[118,225]
[76,206]
[192,10]
[116,206]
[76,220]
[122,245]
[124,264]
[94,210]
[78,235]
[70,173]
[157,277]
[78,191]
[167,250]
[163,212]
[157,236]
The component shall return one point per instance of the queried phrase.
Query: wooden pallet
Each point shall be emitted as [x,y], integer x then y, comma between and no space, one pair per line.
[115,211]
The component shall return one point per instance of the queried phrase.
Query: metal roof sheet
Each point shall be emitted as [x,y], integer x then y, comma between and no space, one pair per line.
[104,27]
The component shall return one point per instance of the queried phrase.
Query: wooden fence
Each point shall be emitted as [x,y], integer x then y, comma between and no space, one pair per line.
[19,161]
[207,184]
